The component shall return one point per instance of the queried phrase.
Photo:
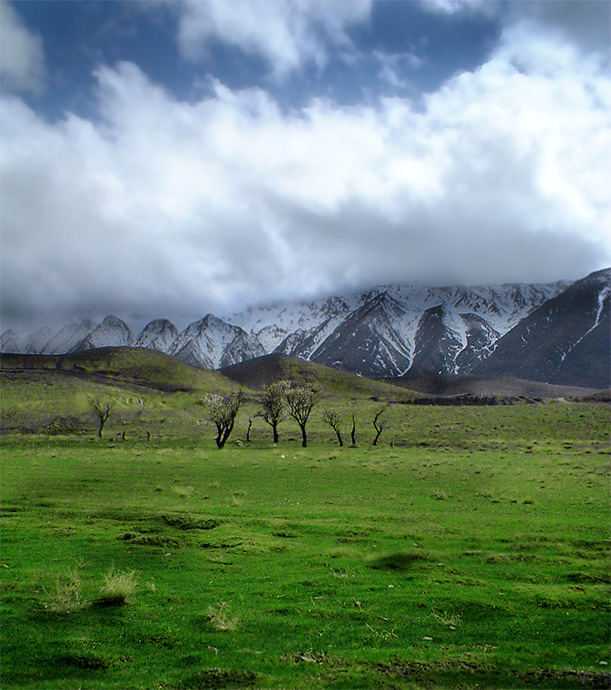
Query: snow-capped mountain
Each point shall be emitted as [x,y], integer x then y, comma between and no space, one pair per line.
[112,332]
[159,334]
[212,343]
[565,340]
[36,341]
[11,342]
[371,340]
[389,331]
[67,339]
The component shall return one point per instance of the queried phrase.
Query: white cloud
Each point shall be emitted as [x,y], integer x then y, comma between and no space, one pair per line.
[172,207]
[453,6]
[586,23]
[395,69]
[285,33]
[21,53]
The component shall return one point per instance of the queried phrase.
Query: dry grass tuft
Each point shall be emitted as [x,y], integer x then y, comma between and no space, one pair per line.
[66,596]
[220,617]
[118,588]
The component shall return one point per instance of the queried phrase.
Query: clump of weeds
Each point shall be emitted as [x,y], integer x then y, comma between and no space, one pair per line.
[66,596]
[220,617]
[118,588]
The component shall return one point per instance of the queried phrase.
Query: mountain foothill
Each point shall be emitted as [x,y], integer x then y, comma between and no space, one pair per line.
[556,333]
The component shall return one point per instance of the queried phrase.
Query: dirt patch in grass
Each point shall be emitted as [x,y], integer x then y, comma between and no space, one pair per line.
[161,540]
[92,662]
[473,673]
[188,522]
[220,678]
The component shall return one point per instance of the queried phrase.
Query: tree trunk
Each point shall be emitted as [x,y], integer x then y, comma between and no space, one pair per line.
[226,433]
[100,426]
[275,432]
[248,431]
[353,431]
[219,436]
[304,438]
[339,437]
[377,428]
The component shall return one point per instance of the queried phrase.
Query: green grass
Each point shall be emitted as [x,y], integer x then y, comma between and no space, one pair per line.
[470,549]
[322,567]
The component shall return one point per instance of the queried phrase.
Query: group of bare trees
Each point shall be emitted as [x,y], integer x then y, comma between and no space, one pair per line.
[278,401]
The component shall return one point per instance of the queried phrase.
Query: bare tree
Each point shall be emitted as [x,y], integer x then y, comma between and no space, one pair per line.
[334,419]
[223,410]
[353,431]
[273,401]
[301,399]
[102,409]
[378,425]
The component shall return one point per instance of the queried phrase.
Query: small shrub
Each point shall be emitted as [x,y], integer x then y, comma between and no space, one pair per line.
[118,588]
[66,596]
[220,617]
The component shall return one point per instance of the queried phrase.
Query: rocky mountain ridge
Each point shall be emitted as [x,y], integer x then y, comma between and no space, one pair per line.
[389,331]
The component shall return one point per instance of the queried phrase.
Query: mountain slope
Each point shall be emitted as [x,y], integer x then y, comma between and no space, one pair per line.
[211,343]
[259,372]
[369,341]
[158,335]
[566,340]
[68,337]
[112,332]
[384,332]
[125,365]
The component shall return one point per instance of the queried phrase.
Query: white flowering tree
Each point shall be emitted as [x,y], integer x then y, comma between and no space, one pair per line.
[273,403]
[223,409]
[300,400]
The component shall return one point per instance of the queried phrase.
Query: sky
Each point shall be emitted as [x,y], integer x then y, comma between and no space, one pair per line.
[173,158]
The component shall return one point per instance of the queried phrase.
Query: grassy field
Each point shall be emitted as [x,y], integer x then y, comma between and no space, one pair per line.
[469,550]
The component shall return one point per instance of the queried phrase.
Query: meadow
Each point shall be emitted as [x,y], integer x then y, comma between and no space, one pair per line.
[470,549]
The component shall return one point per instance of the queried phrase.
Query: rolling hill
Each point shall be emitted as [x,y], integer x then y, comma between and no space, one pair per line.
[258,372]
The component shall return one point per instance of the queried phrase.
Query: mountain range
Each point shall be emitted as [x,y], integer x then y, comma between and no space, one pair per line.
[555,332]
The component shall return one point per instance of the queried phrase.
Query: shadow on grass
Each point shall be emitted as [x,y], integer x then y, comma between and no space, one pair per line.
[402,560]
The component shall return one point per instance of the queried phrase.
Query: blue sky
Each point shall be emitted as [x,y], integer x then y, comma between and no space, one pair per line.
[423,47]
[174,158]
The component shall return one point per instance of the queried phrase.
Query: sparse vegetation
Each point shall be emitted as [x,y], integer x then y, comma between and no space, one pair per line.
[221,618]
[102,410]
[223,409]
[378,425]
[118,588]
[333,419]
[66,594]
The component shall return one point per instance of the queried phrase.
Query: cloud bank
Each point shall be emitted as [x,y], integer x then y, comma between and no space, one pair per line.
[169,207]
[21,54]
[287,34]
